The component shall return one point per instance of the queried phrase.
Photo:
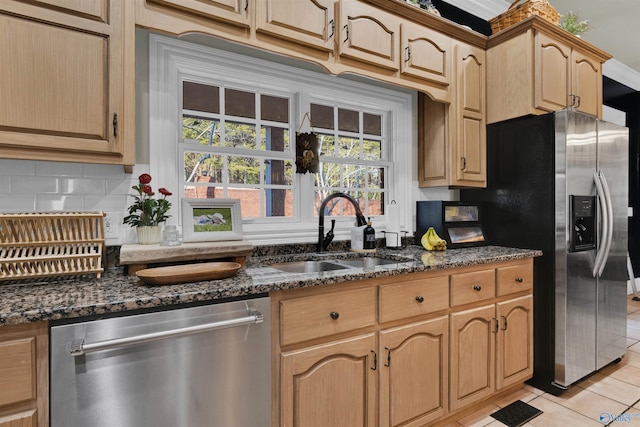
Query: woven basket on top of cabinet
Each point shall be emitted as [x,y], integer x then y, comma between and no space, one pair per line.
[51,244]
[520,12]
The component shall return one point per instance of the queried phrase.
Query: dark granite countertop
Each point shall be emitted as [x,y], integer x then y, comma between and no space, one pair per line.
[81,296]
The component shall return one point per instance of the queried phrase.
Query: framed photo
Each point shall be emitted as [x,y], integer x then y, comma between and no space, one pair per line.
[209,220]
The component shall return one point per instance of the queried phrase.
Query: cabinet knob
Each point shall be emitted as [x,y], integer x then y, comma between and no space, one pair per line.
[334,315]
[420,299]
[477,288]
[519,279]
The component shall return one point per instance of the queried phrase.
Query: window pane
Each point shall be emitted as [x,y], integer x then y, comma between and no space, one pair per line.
[202,167]
[274,108]
[321,116]
[348,120]
[327,144]
[372,149]
[244,170]
[205,131]
[354,176]
[375,203]
[349,147]
[201,192]
[199,97]
[372,124]
[275,139]
[279,202]
[240,135]
[250,200]
[376,177]
[278,172]
[329,175]
[240,103]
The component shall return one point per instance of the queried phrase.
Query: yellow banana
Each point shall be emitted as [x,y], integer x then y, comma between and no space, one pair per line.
[425,241]
[435,241]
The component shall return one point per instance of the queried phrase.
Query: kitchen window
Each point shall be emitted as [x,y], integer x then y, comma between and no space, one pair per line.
[223,125]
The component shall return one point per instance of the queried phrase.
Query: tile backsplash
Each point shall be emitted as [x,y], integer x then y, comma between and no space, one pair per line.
[28,186]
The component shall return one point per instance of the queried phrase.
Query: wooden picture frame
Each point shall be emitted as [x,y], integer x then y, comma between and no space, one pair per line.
[211,220]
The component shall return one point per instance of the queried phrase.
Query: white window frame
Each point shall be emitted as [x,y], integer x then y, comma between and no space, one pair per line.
[172,60]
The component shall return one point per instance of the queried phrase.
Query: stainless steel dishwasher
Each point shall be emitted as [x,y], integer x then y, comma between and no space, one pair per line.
[205,366]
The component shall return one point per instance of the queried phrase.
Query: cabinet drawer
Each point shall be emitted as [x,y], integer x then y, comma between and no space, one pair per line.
[17,371]
[413,298]
[515,278]
[317,316]
[472,287]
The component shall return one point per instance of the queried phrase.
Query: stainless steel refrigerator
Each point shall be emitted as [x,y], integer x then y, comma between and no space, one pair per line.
[559,182]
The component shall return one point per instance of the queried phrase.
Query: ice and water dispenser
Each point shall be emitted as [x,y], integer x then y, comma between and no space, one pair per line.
[582,235]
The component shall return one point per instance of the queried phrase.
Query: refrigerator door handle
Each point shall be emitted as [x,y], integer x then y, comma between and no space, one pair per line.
[604,221]
[609,217]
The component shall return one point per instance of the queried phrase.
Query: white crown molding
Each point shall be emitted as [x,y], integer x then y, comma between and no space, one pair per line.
[621,73]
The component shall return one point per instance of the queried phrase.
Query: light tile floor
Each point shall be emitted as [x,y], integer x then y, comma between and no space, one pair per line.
[609,398]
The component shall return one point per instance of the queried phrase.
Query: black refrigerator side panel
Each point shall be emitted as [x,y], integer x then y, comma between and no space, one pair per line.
[519,211]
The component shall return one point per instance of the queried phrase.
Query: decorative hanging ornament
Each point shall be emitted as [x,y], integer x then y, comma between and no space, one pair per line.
[307,150]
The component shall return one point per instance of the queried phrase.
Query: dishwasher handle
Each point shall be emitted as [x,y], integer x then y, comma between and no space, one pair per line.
[79,347]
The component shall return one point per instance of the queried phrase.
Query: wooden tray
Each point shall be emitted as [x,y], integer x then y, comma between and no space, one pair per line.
[188,273]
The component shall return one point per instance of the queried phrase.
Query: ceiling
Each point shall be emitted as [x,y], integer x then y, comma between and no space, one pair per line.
[614,25]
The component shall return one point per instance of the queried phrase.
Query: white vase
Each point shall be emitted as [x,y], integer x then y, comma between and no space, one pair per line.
[149,234]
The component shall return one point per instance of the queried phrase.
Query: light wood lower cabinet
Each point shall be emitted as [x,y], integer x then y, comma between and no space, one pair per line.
[24,375]
[491,348]
[437,343]
[414,373]
[331,384]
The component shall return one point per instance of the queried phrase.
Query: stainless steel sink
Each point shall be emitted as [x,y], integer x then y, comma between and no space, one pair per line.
[367,262]
[318,266]
[308,266]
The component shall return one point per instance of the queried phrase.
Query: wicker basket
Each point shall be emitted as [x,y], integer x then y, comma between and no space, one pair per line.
[50,244]
[520,12]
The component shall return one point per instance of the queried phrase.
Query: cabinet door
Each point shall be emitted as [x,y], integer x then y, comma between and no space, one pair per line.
[425,53]
[63,95]
[472,356]
[310,22]
[332,384]
[514,341]
[586,82]
[414,373]
[471,116]
[369,34]
[23,419]
[551,76]
[230,11]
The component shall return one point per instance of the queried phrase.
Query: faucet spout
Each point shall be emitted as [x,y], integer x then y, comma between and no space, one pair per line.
[360,219]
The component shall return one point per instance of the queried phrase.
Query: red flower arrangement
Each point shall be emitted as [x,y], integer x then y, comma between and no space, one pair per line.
[146,210]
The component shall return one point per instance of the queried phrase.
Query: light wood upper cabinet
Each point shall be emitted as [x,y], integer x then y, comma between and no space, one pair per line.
[534,67]
[330,384]
[586,83]
[230,11]
[24,375]
[369,34]
[414,374]
[425,53]
[68,94]
[311,22]
[452,138]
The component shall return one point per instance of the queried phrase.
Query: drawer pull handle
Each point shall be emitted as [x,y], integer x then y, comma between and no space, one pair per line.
[504,323]
[420,299]
[477,288]
[519,279]
[375,361]
[334,315]
[496,324]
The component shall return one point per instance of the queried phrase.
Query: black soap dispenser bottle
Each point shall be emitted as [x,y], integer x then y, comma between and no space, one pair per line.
[369,236]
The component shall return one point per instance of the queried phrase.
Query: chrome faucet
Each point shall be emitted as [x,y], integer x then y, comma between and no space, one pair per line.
[324,242]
